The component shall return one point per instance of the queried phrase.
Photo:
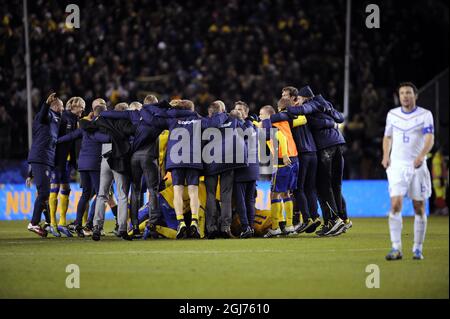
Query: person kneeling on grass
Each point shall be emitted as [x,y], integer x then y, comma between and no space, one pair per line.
[166,226]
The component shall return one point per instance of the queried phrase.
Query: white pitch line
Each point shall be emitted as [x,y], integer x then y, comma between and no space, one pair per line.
[205,252]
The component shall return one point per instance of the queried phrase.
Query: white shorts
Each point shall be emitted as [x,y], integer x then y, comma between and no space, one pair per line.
[409,181]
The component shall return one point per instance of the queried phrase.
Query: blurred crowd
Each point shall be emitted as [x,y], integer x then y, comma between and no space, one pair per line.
[232,50]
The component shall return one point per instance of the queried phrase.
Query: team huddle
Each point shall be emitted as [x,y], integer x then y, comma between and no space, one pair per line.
[200,173]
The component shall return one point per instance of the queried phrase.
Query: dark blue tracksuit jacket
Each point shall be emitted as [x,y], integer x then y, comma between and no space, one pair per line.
[69,123]
[250,172]
[91,148]
[145,134]
[174,120]
[229,145]
[45,134]
[320,114]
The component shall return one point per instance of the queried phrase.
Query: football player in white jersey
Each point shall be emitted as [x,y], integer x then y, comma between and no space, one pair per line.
[408,137]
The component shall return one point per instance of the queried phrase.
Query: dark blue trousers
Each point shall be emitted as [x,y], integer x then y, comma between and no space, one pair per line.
[41,177]
[90,182]
[306,193]
[244,194]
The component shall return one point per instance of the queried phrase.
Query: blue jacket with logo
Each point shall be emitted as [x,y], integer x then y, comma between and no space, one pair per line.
[45,134]
[185,129]
[91,147]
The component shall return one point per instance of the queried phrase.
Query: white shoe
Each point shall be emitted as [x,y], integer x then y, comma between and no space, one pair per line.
[335,227]
[102,233]
[87,232]
[273,233]
[289,230]
[37,230]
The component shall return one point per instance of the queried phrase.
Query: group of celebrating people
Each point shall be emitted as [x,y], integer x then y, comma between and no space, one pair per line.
[196,170]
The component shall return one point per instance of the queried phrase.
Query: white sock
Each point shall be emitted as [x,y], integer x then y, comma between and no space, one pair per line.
[420,227]
[395,229]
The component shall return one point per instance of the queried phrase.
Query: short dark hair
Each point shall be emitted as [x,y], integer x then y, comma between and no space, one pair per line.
[408,84]
[293,91]
[245,105]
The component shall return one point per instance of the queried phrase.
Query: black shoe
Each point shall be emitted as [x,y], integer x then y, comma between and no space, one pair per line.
[136,232]
[324,229]
[79,231]
[72,227]
[300,228]
[331,227]
[339,230]
[213,234]
[124,235]
[194,231]
[314,226]
[181,231]
[96,233]
[336,226]
[248,233]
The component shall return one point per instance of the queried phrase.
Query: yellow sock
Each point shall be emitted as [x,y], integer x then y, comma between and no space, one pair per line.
[53,204]
[276,210]
[201,222]
[180,217]
[64,206]
[195,216]
[281,214]
[289,208]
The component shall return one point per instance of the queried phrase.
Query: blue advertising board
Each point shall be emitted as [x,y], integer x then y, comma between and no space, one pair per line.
[366,198]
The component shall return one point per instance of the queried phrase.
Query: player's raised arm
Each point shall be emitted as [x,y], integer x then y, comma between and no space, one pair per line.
[78,133]
[116,115]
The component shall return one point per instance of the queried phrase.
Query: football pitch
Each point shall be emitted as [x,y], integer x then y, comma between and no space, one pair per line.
[293,267]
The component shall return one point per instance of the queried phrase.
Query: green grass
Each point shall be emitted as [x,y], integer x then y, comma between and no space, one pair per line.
[302,267]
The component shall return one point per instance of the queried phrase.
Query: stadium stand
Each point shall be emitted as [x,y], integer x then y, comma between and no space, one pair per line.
[232,50]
